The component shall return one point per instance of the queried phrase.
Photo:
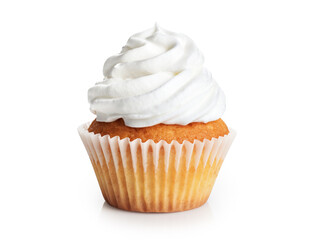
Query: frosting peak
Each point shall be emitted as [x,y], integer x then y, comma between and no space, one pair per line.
[158,77]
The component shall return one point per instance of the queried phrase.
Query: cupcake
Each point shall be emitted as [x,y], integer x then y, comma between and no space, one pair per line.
[158,140]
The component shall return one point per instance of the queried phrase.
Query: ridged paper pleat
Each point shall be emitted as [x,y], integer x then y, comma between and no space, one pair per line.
[155,177]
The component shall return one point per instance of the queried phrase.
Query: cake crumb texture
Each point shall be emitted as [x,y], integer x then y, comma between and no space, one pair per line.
[190,132]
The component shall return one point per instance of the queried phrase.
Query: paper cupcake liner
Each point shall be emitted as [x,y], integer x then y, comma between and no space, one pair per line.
[155,177]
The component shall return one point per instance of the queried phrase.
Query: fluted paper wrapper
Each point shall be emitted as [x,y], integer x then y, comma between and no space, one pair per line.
[155,177]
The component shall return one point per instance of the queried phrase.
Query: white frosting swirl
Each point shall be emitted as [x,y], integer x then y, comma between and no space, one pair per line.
[157,78]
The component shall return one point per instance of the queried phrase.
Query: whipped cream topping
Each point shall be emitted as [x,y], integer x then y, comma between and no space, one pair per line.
[157,78]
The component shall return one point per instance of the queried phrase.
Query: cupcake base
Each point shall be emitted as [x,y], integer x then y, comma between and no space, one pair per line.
[155,177]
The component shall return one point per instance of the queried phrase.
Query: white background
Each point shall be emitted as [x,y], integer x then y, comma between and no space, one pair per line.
[263,55]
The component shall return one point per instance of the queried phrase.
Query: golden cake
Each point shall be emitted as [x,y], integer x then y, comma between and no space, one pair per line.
[168,133]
